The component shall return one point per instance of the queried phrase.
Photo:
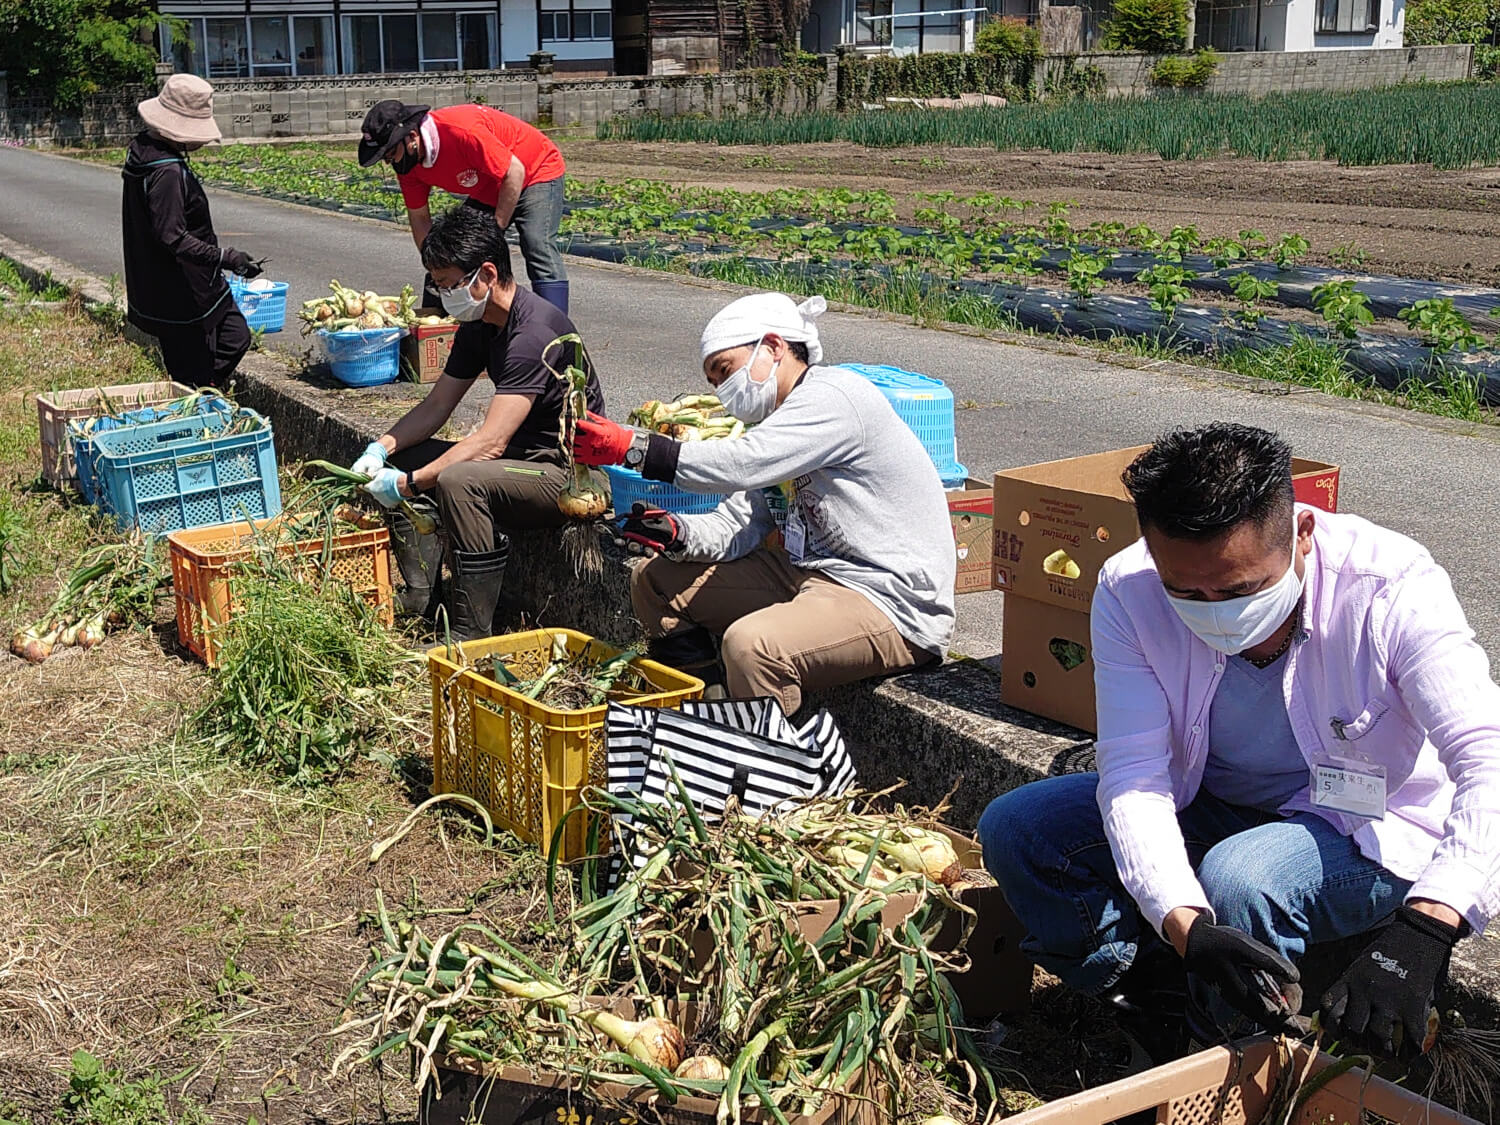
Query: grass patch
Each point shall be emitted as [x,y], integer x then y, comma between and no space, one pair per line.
[183,917]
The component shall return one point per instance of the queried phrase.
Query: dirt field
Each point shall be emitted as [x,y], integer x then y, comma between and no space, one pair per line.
[1409,220]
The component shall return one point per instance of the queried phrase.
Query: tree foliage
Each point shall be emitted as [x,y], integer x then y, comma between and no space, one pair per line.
[1452,21]
[1157,27]
[68,50]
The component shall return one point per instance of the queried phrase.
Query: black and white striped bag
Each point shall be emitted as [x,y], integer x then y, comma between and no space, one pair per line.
[746,749]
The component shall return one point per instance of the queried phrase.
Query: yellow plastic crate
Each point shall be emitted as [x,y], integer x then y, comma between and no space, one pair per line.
[525,762]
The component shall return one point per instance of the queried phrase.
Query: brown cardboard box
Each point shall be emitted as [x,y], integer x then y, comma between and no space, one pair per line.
[424,351]
[1037,645]
[513,1095]
[971,511]
[1080,508]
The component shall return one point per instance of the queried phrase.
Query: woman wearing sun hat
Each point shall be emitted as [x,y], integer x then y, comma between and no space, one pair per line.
[174,280]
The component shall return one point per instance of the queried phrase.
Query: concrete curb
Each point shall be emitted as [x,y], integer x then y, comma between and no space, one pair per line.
[942,731]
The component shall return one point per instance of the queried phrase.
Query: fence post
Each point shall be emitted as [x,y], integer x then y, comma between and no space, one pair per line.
[541,62]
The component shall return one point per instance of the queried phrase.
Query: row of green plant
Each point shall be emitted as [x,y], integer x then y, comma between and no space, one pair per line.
[1304,361]
[1453,125]
[986,235]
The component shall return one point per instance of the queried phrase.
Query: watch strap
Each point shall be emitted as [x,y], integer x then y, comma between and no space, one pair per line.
[411,482]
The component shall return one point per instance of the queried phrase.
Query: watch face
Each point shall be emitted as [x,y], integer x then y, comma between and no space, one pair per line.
[634,457]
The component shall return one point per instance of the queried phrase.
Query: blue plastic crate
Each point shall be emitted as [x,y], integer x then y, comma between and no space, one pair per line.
[628,487]
[364,357]
[165,476]
[83,444]
[926,405]
[264,307]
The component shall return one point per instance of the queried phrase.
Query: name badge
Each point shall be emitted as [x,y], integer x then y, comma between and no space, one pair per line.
[1356,788]
[796,535]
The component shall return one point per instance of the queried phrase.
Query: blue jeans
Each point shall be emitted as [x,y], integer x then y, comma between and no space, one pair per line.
[1288,882]
[537,216]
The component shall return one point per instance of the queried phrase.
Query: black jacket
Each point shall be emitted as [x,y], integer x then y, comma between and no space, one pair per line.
[172,256]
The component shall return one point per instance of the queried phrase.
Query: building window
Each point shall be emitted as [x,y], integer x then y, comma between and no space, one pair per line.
[228,51]
[270,47]
[362,45]
[1348,16]
[398,34]
[313,38]
[870,31]
[439,41]
[478,40]
[563,21]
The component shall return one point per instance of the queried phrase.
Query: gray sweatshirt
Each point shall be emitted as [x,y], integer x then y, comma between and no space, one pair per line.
[863,502]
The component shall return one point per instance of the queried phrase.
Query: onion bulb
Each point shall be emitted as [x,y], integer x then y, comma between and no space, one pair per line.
[33,647]
[927,853]
[855,860]
[655,1041]
[972,877]
[581,500]
[704,1068]
[92,632]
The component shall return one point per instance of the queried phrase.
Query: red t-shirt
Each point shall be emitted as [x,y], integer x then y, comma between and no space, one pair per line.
[475,144]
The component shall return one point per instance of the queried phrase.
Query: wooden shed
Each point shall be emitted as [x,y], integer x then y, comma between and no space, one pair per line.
[658,37]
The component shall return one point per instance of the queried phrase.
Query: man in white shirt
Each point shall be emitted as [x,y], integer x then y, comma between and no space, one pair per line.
[1299,741]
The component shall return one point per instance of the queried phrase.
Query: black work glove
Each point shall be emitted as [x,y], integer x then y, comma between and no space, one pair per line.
[1253,978]
[237,261]
[652,527]
[1383,999]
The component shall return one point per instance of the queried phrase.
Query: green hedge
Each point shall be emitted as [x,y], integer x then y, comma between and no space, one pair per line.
[930,76]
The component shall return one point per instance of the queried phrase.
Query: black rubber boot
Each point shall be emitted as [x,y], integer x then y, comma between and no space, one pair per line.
[694,651]
[1150,1003]
[420,559]
[476,591]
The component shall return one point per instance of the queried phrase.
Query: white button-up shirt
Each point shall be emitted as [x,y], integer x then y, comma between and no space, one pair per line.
[1384,671]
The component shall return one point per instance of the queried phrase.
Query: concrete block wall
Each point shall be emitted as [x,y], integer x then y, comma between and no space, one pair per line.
[334,106]
[1264,72]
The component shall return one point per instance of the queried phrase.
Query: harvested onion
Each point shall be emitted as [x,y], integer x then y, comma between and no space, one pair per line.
[704,1068]
[655,1041]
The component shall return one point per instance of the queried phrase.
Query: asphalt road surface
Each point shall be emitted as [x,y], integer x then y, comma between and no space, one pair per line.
[1021,404]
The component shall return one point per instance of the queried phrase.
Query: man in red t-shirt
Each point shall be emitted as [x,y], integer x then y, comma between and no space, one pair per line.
[501,164]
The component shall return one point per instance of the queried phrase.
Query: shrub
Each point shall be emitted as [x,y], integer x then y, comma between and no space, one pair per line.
[1186,71]
[1451,21]
[1013,43]
[936,75]
[65,51]
[1154,26]
[1487,63]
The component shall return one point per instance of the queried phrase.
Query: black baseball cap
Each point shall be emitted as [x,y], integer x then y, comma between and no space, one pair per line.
[386,126]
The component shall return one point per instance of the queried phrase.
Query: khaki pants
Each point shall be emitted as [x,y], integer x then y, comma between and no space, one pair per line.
[479,498]
[786,630]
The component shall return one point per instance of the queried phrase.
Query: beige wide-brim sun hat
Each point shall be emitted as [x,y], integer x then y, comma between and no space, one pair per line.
[183,111]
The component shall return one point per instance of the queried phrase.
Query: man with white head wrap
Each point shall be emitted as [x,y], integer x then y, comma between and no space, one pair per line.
[864,584]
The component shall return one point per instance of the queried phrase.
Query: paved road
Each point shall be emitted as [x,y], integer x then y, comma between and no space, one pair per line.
[1439,486]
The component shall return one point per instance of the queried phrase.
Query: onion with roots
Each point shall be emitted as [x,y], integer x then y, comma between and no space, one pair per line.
[582,501]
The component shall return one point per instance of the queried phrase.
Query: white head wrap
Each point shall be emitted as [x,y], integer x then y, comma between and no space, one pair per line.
[746,320]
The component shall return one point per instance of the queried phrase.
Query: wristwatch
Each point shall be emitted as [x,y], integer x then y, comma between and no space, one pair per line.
[411,483]
[635,456]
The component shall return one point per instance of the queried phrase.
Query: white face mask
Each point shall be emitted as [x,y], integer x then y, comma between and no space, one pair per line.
[1236,624]
[746,399]
[460,304]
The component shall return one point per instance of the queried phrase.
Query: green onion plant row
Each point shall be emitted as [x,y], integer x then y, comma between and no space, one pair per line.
[1450,126]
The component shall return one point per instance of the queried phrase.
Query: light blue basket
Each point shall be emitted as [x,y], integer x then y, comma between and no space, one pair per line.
[364,357]
[926,405]
[264,308]
[83,444]
[187,472]
[627,487]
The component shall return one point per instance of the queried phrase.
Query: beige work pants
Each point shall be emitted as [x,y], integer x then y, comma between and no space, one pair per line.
[786,630]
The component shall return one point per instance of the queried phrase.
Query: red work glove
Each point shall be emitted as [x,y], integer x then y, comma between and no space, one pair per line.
[652,527]
[600,441]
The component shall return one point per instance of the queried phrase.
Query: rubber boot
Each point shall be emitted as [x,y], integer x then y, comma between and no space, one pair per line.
[476,591]
[695,652]
[553,292]
[420,559]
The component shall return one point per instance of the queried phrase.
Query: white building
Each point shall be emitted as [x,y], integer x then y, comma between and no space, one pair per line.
[1299,25]
[285,38]
[898,27]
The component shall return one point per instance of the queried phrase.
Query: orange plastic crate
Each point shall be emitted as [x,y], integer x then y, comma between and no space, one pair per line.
[204,558]
[525,762]
[54,410]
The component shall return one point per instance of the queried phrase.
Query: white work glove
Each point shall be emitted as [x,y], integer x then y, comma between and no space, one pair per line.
[371,461]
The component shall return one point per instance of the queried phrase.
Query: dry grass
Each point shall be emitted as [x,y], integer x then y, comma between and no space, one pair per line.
[172,913]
